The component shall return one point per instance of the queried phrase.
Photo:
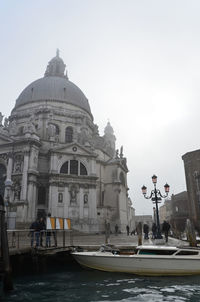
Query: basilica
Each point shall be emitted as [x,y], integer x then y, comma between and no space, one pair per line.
[53,160]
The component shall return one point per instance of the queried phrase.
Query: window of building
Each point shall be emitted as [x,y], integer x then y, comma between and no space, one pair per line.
[64,168]
[60,197]
[69,135]
[41,195]
[83,170]
[73,167]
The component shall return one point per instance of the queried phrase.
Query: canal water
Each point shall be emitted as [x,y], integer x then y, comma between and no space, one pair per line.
[75,284]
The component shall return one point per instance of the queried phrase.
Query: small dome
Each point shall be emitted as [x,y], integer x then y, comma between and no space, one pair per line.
[54,86]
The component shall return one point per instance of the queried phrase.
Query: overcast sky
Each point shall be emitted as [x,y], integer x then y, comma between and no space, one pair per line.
[137,62]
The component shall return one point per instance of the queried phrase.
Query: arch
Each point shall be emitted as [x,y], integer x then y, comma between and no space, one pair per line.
[69,135]
[2,178]
[64,168]
[83,170]
[122,178]
[73,167]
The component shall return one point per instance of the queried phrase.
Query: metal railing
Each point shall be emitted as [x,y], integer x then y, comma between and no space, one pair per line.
[22,239]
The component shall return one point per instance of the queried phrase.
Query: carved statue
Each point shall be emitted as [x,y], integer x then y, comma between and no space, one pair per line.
[1,118]
[6,122]
[117,154]
[51,130]
[13,127]
[73,194]
[96,130]
[17,191]
[30,127]
[121,152]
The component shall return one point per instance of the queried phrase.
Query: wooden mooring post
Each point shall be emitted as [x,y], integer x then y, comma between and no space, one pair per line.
[7,273]
[139,233]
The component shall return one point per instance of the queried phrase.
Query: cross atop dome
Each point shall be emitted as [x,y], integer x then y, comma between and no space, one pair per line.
[56,67]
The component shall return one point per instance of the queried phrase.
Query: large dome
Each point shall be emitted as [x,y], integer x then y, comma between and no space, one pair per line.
[54,86]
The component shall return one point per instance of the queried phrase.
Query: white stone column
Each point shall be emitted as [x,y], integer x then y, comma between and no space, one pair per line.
[25,175]
[81,203]
[9,167]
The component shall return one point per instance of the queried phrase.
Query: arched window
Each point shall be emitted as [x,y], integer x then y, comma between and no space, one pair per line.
[83,170]
[122,178]
[69,135]
[64,168]
[2,179]
[74,167]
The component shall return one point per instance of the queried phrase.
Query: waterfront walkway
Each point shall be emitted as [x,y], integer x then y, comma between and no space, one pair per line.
[20,241]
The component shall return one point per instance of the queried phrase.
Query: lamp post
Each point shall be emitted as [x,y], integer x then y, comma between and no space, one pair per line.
[156,196]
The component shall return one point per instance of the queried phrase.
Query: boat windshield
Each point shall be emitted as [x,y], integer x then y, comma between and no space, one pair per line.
[189,253]
[156,252]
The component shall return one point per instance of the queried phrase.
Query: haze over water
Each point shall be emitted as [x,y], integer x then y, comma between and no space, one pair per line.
[75,284]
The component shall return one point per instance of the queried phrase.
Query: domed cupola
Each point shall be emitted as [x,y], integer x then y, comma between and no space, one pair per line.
[54,88]
[56,67]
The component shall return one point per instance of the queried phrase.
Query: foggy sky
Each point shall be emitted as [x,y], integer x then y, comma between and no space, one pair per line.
[137,62]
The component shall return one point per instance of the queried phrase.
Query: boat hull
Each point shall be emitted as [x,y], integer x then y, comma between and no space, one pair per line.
[139,265]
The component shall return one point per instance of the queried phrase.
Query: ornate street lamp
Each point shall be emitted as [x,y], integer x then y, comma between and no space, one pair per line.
[156,196]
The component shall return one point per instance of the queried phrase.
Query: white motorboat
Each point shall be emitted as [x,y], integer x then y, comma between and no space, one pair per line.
[146,260]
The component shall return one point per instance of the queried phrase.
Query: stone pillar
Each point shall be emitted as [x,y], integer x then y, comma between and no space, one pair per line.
[25,175]
[9,167]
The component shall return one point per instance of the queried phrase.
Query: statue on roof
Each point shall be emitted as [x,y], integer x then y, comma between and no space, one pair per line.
[1,118]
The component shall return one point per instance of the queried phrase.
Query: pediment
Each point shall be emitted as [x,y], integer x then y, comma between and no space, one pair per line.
[74,148]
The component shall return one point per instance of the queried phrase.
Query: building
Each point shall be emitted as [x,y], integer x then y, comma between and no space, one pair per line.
[53,160]
[192,174]
[144,219]
[179,211]
[165,211]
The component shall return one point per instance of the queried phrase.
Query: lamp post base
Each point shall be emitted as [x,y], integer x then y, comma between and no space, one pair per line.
[159,242]
[159,236]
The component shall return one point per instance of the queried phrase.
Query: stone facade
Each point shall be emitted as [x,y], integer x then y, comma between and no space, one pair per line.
[192,175]
[165,211]
[53,160]
[179,211]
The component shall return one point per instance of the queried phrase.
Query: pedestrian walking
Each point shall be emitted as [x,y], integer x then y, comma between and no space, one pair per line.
[146,231]
[154,231]
[165,229]
[127,230]
[116,229]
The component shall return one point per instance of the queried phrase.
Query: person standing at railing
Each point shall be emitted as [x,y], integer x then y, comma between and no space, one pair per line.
[35,233]
[48,238]
[42,227]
